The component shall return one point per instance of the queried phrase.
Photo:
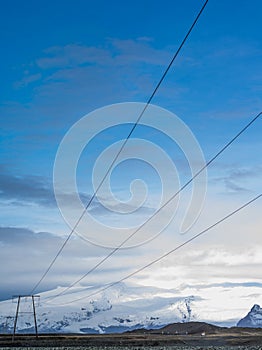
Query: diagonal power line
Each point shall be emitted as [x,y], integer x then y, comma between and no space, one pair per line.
[157,211]
[121,148]
[168,253]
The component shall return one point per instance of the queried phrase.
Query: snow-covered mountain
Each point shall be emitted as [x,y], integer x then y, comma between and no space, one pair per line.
[123,307]
[253,318]
[117,309]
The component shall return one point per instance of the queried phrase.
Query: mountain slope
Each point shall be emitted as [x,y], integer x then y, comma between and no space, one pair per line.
[252,319]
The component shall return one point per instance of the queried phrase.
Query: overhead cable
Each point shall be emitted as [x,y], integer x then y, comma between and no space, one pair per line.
[121,149]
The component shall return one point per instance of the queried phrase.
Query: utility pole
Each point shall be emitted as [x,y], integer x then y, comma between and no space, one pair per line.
[33,303]
[16,316]
[19,297]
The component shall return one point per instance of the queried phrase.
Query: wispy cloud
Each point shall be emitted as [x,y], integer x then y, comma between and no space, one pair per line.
[116,52]
[26,189]
[120,69]
[72,55]
[28,79]
[237,179]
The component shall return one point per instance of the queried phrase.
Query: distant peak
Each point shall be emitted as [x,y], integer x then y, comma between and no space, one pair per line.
[253,318]
[255,308]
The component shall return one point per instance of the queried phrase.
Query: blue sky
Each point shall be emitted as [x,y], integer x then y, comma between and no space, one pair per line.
[63,60]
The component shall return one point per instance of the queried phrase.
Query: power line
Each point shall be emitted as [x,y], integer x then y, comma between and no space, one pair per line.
[164,205]
[169,252]
[121,148]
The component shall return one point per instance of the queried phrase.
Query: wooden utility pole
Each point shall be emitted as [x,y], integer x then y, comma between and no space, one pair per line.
[19,297]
